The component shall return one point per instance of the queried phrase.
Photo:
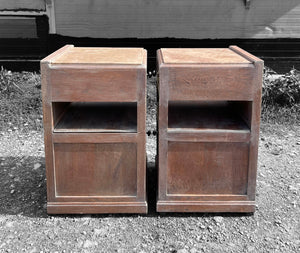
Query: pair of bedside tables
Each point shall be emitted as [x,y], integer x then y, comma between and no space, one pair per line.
[94,125]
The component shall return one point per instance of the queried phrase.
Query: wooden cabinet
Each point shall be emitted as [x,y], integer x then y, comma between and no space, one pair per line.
[94,123]
[209,114]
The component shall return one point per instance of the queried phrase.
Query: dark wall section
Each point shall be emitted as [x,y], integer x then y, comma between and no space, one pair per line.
[25,54]
[279,54]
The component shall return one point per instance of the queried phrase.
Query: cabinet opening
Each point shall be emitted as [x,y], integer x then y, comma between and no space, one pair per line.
[209,115]
[95,117]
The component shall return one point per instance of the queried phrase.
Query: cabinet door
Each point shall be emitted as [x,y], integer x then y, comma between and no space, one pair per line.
[95,170]
[207,168]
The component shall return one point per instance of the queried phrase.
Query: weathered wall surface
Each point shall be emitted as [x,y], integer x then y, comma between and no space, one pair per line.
[22,5]
[194,19]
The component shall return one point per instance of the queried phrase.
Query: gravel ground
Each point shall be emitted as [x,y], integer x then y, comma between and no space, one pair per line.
[26,227]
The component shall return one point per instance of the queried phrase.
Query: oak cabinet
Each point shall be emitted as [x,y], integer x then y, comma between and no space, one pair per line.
[208,121]
[94,124]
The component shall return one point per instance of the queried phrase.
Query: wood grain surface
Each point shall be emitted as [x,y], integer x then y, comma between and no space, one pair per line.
[96,55]
[207,168]
[201,56]
[208,130]
[94,122]
[210,82]
[95,170]
[92,84]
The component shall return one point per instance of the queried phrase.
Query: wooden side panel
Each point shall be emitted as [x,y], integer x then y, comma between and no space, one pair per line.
[95,169]
[58,110]
[162,128]
[207,168]
[141,129]
[109,85]
[211,82]
[244,110]
[16,5]
[192,19]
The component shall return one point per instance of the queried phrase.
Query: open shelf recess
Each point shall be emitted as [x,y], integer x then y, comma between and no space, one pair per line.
[97,117]
[205,117]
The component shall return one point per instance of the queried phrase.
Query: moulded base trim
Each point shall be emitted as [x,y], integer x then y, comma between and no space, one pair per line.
[206,206]
[96,207]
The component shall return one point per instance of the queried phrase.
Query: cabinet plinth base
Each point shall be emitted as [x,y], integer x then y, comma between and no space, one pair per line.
[96,207]
[206,206]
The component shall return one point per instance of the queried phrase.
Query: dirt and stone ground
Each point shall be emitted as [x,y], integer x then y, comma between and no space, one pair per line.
[26,227]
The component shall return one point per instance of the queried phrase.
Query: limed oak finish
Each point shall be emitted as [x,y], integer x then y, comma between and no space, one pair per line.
[94,123]
[209,114]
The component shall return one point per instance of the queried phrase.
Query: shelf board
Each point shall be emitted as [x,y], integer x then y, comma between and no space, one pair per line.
[206,136]
[98,117]
[215,117]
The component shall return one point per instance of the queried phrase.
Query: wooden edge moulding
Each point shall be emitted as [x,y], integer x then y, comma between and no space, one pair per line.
[94,109]
[208,125]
